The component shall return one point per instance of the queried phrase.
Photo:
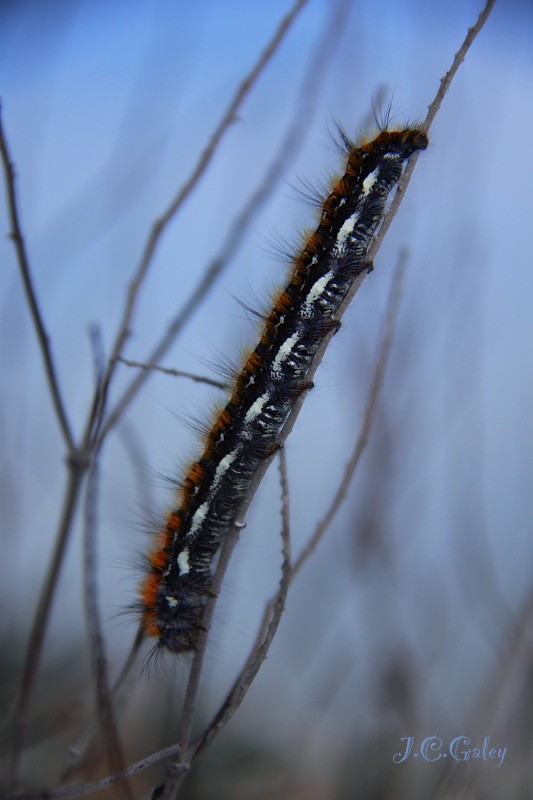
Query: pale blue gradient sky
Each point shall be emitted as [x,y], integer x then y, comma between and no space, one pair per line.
[107,106]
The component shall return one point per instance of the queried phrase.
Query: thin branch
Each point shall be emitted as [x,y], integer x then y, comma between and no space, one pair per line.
[31,295]
[177,373]
[434,106]
[267,629]
[96,786]
[78,461]
[161,224]
[368,418]
[400,191]
[33,656]
[374,391]
[80,458]
[178,768]
[292,142]
[106,718]
[458,60]
[87,738]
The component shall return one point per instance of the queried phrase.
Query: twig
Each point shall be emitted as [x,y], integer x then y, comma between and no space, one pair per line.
[106,718]
[274,607]
[96,786]
[160,225]
[80,457]
[320,353]
[177,373]
[87,738]
[178,768]
[458,60]
[267,629]
[72,496]
[291,143]
[31,296]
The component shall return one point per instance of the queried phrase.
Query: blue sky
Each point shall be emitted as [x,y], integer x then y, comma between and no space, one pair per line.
[107,106]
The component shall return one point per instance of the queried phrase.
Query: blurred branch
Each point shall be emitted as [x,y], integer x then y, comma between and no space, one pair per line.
[458,60]
[96,786]
[72,495]
[104,706]
[503,691]
[178,373]
[161,224]
[433,108]
[80,457]
[88,738]
[290,145]
[31,296]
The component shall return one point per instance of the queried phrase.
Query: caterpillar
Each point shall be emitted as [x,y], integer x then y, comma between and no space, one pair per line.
[245,432]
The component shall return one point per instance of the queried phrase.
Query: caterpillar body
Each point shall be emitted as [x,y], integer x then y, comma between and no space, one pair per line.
[245,432]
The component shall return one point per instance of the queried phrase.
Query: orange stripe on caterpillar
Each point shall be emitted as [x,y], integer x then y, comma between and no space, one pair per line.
[245,432]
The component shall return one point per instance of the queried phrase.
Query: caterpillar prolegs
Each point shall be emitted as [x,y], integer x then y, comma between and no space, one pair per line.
[174,593]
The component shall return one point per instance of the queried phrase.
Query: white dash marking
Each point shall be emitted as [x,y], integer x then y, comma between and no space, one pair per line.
[223,467]
[314,293]
[345,230]
[171,601]
[283,353]
[369,181]
[199,516]
[183,563]
[256,408]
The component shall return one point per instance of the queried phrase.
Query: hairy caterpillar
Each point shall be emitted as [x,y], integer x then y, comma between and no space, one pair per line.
[245,432]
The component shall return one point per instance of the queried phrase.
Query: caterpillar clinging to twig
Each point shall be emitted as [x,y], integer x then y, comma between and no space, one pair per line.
[246,431]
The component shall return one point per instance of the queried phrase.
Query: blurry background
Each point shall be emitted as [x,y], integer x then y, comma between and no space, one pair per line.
[413,616]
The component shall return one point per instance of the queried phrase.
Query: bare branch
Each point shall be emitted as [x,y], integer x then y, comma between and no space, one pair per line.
[290,145]
[267,629]
[177,373]
[31,295]
[106,718]
[432,111]
[96,786]
[72,495]
[378,377]
[458,60]
[161,224]
[400,191]
[87,739]
[502,690]
[178,768]
[80,458]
